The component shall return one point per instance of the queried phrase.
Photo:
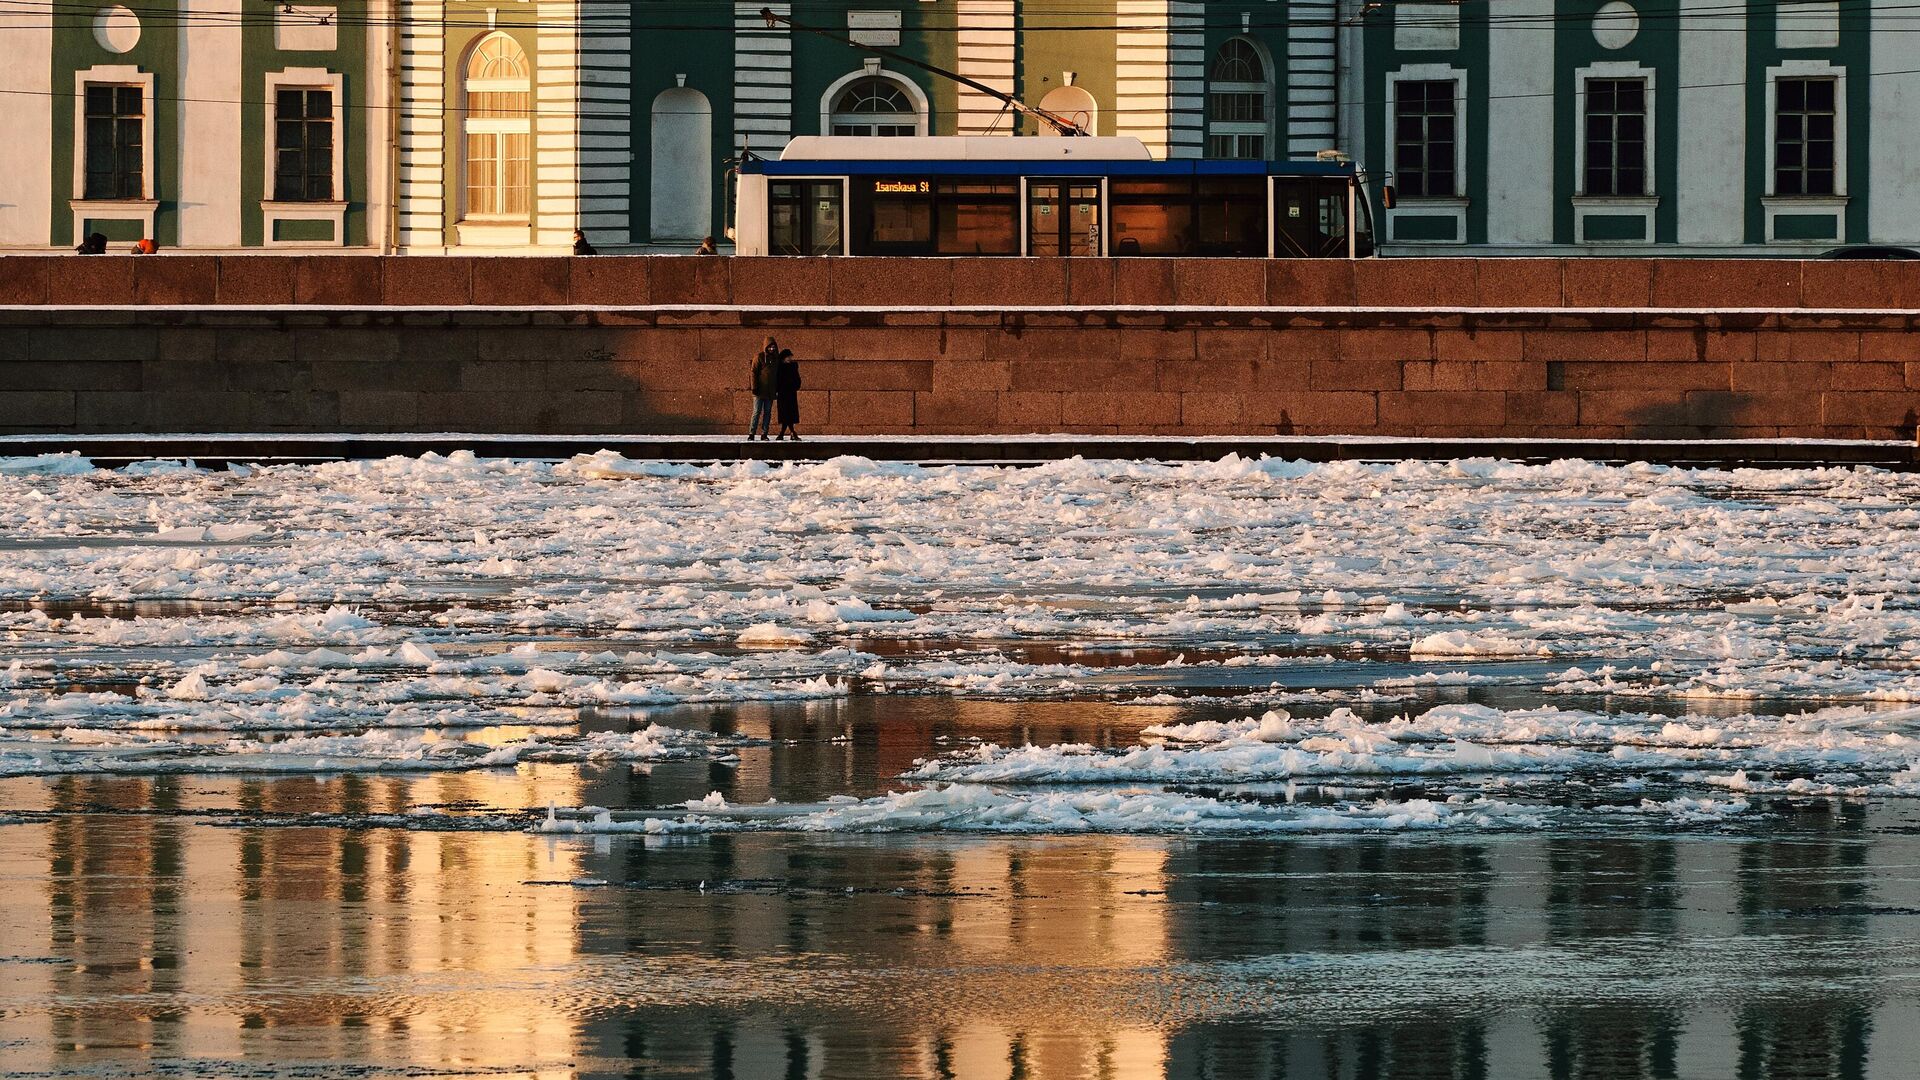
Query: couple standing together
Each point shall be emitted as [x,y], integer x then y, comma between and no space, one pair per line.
[776,380]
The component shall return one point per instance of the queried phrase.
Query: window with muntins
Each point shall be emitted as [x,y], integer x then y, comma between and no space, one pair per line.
[1803,136]
[1424,135]
[1616,137]
[875,105]
[1239,102]
[303,146]
[116,142]
[498,129]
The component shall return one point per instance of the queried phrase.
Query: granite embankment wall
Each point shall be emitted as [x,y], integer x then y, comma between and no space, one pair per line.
[1604,348]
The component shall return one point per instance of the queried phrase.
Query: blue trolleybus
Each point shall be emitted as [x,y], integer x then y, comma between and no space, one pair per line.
[970,195]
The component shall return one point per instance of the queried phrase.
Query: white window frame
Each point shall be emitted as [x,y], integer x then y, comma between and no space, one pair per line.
[1454,205]
[1612,205]
[1775,204]
[335,209]
[141,209]
[1268,89]
[496,229]
[921,107]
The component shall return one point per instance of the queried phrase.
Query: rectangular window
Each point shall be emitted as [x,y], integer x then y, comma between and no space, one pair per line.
[1424,138]
[1242,147]
[1803,136]
[115,142]
[1616,137]
[1151,217]
[1231,217]
[804,217]
[978,218]
[303,146]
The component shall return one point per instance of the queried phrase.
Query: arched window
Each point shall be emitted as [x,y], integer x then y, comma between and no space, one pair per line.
[874,105]
[1239,102]
[498,129]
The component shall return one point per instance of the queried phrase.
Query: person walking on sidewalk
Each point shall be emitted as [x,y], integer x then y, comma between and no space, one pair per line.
[766,387]
[788,385]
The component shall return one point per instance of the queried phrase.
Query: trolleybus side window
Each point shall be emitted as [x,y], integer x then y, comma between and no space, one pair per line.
[1310,217]
[804,217]
[900,216]
[1151,216]
[1063,217]
[978,217]
[1232,216]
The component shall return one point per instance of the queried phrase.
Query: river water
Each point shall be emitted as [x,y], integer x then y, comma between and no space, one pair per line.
[446,767]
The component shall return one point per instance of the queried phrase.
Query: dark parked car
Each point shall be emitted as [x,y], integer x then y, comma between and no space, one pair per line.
[1871,251]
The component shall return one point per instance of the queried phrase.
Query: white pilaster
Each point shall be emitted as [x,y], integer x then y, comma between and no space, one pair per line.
[1142,65]
[1711,166]
[26,127]
[1893,169]
[556,139]
[606,126]
[1312,56]
[986,50]
[1520,130]
[763,80]
[424,180]
[210,125]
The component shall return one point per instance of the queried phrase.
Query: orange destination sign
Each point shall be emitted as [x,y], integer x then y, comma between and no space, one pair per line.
[901,187]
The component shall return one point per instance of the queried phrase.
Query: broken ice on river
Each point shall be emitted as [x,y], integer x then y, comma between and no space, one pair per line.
[1271,647]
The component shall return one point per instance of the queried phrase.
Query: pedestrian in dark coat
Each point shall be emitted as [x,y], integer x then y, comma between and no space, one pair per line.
[766,387]
[789,386]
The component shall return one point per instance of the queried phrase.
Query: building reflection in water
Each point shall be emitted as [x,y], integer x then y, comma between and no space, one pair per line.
[170,937]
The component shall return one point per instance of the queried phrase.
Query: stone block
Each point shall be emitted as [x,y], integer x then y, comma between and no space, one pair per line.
[657,344]
[610,281]
[1089,345]
[1365,375]
[1386,343]
[379,410]
[293,411]
[1074,376]
[1500,375]
[1864,376]
[1721,408]
[413,281]
[1821,346]
[580,412]
[885,343]
[364,345]
[1642,375]
[183,375]
[697,280]
[1306,343]
[1725,283]
[869,375]
[1542,408]
[1311,413]
[1231,344]
[1618,345]
[338,280]
[237,345]
[176,280]
[1310,283]
[1186,376]
[197,410]
[195,343]
[727,375]
[1780,376]
[109,410]
[24,279]
[1220,282]
[994,375]
[272,376]
[1161,345]
[1896,345]
[60,343]
[503,376]
[1867,408]
[256,279]
[70,375]
[1029,411]
[439,376]
[1124,409]
[1437,375]
[1449,408]
[1517,283]
[957,410]
[1210,411]
[1606,283]
[877,409]
[1090,282]
[1853,284]
[1143,282]
[1632,409]
[772,281]
[1009,282]
[684,411]
[91,280]
[1477,344]
[518,281]
[891,282]
[1415,283]
[466,410]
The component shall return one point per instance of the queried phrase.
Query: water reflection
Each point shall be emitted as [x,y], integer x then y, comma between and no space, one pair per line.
[156,940]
